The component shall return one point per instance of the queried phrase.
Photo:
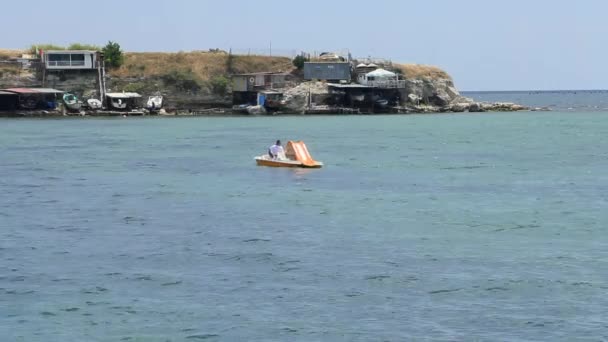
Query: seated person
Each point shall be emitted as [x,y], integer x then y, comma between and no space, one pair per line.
[276,151]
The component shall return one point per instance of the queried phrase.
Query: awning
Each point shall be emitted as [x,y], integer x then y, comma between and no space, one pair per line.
[49,91]
[23,91]
[381,73]
[6,93]
[122,95]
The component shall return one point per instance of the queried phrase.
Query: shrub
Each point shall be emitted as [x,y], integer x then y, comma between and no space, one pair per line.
[299,61]
[219,85]
[113,55]
[79,46]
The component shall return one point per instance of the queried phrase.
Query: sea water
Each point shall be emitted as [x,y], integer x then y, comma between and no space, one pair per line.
[445,227]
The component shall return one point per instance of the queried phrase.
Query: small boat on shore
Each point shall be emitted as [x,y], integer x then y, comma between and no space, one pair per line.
[296,156]
[71,102]
[154,102]
[94,104]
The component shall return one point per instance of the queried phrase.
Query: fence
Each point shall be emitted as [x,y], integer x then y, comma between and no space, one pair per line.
[291,53]
[387,84]
[281,52]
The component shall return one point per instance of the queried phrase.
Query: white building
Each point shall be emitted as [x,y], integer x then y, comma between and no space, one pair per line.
[381,78]
[70,60]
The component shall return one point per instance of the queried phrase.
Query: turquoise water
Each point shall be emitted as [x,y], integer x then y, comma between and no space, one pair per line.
[435,227]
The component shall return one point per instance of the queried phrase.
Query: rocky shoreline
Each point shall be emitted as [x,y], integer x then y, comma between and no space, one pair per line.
[425,89]
[473,107]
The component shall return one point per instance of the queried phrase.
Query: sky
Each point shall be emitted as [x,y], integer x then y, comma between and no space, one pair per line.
[483,44]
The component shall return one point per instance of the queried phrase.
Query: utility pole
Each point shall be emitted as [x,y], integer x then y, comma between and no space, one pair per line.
[271,48]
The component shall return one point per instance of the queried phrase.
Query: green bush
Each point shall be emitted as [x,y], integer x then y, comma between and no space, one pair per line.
[299,61]
[113,55]
[219,85]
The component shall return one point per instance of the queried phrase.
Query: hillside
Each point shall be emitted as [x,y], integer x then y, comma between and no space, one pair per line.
[201,65]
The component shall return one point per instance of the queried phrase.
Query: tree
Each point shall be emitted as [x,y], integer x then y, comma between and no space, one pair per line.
[299,61]
[113,54]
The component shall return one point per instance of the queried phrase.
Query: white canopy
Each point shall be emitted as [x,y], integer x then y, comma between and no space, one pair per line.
[122,95]
[381,73]
[362,65]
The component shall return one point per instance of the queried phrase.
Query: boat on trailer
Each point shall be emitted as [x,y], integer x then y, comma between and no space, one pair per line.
[296,156]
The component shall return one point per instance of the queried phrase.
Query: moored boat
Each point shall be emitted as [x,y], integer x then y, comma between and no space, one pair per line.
[94,104]
[296,156]
[71,102]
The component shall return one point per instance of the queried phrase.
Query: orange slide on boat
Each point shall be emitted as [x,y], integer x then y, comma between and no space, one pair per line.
[296,155]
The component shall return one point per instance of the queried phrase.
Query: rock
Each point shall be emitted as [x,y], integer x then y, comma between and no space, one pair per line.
[462,99]
[452,91]
[441,98]
[414,99]
[476,107]
[459,107]
[503,107]
[541,109]
[255,110]
[296,99]
[517,108]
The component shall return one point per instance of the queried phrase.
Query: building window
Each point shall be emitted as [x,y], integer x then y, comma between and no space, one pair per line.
[77,59]
[59,60]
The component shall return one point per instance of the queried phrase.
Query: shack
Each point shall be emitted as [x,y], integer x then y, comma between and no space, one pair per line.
[258,81]
[35,98]
[269,99]
[366,98]
[246,88]
[123,101]
[70,59]
[328,71]
[8,100]
[381,78]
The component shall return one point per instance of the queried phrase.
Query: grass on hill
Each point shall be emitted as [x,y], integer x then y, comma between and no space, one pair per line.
[201,65]
[7,53]
[415,71]
[73,46]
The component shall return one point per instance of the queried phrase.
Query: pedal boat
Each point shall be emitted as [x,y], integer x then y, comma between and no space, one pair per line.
[296,156]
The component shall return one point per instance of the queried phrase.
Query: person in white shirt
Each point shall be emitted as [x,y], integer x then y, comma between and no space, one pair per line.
[276,151]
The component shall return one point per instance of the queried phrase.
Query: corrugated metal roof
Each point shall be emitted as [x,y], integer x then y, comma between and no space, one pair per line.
[21,90]
[122,95]
[33,91]
[264,73]
[49,91]
[351,85]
